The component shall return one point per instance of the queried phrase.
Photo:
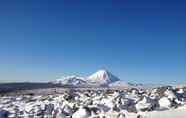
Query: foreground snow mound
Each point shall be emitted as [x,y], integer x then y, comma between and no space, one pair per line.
[146,104]
[102,77]
[165,102]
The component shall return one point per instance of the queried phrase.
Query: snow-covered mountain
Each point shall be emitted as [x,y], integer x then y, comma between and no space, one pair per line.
[102,77]
[99,78]
[71,81]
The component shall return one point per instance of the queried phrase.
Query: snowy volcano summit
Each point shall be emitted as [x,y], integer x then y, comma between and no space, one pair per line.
[102,77]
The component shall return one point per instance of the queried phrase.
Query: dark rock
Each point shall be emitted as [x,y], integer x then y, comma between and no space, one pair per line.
[49,109]
[121,115]
[4,114]
[132,109]
[67,110]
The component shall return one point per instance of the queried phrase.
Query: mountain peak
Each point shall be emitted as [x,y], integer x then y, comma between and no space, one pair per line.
[103,76]
[104,71]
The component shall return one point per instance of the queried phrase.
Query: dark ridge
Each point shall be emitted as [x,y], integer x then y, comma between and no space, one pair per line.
[10,87]
[13,87]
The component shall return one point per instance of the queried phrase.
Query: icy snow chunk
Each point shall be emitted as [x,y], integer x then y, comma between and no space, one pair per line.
[170,94]
[81,113]
[165,102]
[180,91]
[145,104]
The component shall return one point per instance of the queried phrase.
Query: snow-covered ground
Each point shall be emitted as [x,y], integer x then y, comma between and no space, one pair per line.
[164,102]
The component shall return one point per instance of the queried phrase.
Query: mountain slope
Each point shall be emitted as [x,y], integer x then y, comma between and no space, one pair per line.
[119,83]
[71,81]
[102,77]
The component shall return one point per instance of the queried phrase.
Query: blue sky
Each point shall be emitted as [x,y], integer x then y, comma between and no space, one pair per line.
[137,40]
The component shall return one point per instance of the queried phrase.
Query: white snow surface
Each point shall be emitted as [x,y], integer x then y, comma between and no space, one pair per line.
[171,113]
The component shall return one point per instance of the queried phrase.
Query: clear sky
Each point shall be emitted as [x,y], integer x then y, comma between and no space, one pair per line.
[137,40]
